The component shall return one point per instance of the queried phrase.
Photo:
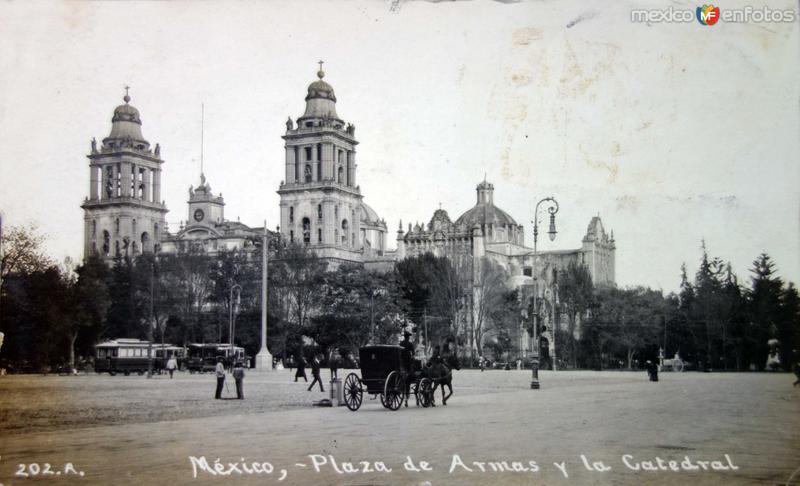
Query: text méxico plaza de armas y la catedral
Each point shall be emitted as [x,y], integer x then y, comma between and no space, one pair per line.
[319,463]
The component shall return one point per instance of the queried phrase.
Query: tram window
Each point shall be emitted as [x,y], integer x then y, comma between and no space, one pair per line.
[114,352]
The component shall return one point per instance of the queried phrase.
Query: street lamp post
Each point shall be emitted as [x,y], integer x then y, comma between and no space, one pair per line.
[238,289]
[552,207]
[152,322]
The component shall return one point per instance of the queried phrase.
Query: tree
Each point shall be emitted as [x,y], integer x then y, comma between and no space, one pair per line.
[23,252]
[89,301]
[358,307]
[575,292]
[297,276]
[489,291]
[189,272]
[765,309]
[504,329]
[789,330]
[628,318]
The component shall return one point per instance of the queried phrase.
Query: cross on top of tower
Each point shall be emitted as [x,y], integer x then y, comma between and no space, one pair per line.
[127,97]
[320,73]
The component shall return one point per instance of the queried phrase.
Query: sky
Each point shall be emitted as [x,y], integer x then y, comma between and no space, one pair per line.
[674,133]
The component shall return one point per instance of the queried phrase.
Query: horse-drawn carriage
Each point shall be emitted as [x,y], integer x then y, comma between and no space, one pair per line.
[384,373]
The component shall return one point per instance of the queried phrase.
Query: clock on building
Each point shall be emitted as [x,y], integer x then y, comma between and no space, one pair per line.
[199,215]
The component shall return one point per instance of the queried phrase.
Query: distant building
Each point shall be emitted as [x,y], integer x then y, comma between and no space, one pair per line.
[486,231]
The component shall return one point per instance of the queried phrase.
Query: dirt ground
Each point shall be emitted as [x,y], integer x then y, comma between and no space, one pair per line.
[579,428]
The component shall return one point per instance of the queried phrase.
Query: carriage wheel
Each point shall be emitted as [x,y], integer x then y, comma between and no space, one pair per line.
[425,392]
[353,394]
[393,391]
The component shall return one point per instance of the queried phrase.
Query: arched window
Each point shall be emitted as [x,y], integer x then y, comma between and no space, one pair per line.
[340,175]
[155,231]
[319,212]
[116,248]
[133,226]
[306,231]
[94,228]
[109,181]
[106,243]
[308,173]
[145,238]
[344,232]
[291,214]
[319,235]
[116,226]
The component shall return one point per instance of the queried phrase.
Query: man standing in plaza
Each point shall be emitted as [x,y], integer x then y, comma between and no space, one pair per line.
[172,365]
[315,367]
[238,375]
[220,372]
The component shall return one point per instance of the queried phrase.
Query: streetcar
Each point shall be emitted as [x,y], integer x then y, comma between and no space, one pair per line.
[203,357]
[128,356]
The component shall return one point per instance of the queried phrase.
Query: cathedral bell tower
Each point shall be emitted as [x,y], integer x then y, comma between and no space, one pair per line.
[320,201]
[124,213]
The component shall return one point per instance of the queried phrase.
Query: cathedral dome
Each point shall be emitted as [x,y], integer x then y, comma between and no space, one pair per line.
[485,212]
[368,215]
[320,100]
[126,126]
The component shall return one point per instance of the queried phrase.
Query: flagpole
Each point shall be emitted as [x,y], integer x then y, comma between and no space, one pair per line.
[264,358]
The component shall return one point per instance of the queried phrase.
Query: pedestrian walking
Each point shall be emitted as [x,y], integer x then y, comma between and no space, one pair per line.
[238,375]
[315,367]
[301,369]
[652,370]
[219,370]
[481,363]
[172,365]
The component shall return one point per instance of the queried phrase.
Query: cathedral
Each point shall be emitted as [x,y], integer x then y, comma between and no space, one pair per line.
[321,206]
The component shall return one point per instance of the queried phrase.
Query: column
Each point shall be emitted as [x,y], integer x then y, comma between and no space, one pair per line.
[313,162]
[115,179]
[126,179]
[351,168]
[103,181]
[290,165]
[328,169]
[157,186]
[93,182]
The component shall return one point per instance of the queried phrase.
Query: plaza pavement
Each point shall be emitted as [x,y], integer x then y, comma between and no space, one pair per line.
[131,430]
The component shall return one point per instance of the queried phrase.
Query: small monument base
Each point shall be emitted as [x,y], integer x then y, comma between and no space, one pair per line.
[264,360]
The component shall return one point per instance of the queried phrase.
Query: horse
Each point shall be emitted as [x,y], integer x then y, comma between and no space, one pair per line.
[441,373]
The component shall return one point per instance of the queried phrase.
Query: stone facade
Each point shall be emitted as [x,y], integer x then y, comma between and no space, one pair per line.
[321,204]
[124,213]
[487,232]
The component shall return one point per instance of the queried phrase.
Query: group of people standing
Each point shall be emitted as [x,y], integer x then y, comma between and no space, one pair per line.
[238,376]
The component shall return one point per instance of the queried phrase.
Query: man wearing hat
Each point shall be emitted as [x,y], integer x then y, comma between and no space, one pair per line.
[408,359]
[220,372]
[238,375]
